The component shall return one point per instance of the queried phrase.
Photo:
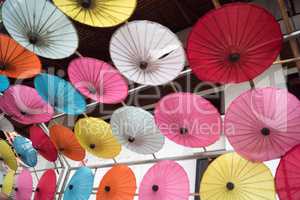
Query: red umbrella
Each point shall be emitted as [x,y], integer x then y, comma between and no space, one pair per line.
[234,43]
[46,187]
[263,124]
[42,143]
[287,175]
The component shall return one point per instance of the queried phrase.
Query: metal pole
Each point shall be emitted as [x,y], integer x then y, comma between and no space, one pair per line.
[290,29]
[207,154]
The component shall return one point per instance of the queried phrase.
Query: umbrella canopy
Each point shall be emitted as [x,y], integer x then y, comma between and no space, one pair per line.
[80,186]
[24,105]
[8,182]
[287,175]
[135,128]
[8,156]
[24,186]
[165,180]
[40,27]
[226,45]
[5,124]
[97,80]
[147,53]
[66,142]
[260,130]
[25,150]
[60,94]
[118,183]
[188,119]
[98,13]
[46,187]
[96,137]
[42,143]
[232,177]
[16,61]
[4,83]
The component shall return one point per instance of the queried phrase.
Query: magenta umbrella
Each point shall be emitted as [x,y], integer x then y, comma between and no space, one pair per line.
[164,181]
[188,119]
[97,80]
[24,105]
[263,124]
[23,189]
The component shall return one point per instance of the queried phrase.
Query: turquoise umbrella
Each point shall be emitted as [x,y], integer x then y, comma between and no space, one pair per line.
[60,94]
[4,83]
[25,150]
[81,185]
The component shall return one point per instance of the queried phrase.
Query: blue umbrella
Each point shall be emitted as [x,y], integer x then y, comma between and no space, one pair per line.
[81,185]
[25,150]
[4,83]
[60,94]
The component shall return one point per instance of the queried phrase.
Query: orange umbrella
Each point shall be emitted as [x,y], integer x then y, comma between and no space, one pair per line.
[118,183]
[16,61]
[66,142]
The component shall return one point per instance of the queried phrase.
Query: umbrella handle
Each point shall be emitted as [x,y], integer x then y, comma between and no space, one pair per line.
[173,86]
[78,54]
[216,3]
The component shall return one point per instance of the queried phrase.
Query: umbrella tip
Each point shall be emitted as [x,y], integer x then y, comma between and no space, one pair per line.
[230,186]
[107,189]
[155,188]
[86,3]
[131,139]
[71,187]
[265,131]
[92,146]
[143,65]
[183,131]
[234,57]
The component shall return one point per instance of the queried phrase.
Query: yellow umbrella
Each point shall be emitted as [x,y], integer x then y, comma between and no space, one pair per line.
[8,156]
[8,182]
[98,13]
[231,177]
[95,135]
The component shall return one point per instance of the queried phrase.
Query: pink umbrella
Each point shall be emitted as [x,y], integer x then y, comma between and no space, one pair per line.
[188,119]
[164,181]
[263,124]
[24,105]
[98,80]
[24,186]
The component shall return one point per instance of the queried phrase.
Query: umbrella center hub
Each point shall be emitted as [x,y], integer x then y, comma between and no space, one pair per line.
[16,189]
[183,131]
[230,186]
[37,189]
[23,112]
[143,65]
[107,189]
[155,188]
[2,66]
[71,187]
[92,146]
[86,4]
[234,57]
[265,131]
[92,89]
[131,139]
[33,38]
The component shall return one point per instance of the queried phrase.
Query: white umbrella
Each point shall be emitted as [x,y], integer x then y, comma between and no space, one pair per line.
[40,27]
[5,124]
[147,52]
[135,128]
